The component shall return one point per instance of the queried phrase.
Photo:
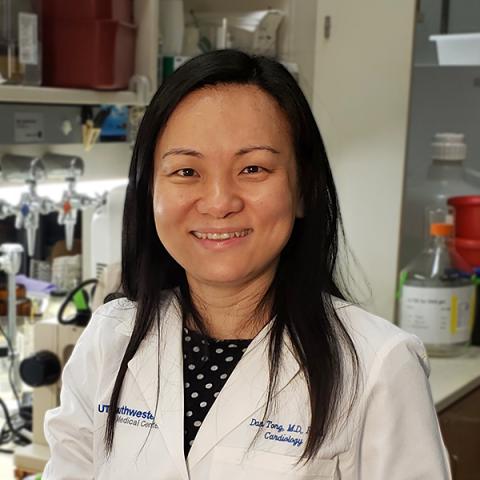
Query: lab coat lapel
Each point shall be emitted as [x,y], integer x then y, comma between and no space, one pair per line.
[144,367]
[244,393]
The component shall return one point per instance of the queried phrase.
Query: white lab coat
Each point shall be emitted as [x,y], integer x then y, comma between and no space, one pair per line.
[391,434]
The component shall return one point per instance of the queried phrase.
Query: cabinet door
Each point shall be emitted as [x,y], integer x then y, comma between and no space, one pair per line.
[460,424]
[363,63]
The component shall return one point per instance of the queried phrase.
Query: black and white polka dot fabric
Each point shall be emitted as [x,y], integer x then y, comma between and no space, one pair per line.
[207,364]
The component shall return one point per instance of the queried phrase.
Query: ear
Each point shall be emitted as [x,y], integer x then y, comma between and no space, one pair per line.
[299,212]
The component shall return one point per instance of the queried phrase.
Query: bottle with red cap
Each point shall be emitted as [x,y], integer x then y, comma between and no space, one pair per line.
[437,295]
[446,177]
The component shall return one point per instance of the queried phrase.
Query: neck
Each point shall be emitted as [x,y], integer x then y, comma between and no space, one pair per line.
[230,312]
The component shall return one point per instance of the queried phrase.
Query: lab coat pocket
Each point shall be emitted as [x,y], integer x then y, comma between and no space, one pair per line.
[238,463]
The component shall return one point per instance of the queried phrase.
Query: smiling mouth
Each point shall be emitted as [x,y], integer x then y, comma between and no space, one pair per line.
[221,236]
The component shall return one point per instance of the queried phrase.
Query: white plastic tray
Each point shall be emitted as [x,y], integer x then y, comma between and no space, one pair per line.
[458,49]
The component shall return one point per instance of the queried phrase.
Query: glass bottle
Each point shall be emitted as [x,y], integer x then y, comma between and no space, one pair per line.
[437,295]
[446,177]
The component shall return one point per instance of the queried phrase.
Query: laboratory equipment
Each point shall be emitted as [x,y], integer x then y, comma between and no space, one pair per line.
[171,23]
[254,32]
[54,341]
[20,42]
[68,168]
[80,298]
[10,261]
[29,170]
[467,216]
[446,178]
[467,243]
[53,344]
[106,232]
[437,295]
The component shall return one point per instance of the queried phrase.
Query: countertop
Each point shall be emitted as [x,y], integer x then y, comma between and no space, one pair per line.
[450,379]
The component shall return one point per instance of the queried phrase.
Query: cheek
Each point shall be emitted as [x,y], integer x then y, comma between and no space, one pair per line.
[276,210]
[168,209]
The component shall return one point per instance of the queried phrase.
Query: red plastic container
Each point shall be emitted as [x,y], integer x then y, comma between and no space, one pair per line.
[467,216]
[120,10]
[469,250]
[97,54]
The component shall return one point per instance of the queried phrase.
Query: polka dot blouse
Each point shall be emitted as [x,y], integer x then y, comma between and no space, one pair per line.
[207,364]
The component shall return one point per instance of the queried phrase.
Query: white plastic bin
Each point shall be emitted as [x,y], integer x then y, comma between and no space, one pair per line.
[458,49]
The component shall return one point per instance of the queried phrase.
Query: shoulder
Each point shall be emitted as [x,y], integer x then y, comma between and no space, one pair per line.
[118,316]
[377,340]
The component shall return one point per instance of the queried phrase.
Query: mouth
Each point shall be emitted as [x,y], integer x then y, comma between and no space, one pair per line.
[217,236]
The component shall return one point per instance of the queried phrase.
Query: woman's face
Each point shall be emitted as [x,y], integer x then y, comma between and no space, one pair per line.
[225,185]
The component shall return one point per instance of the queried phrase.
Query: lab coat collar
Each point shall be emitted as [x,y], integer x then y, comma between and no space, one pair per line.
[244,393]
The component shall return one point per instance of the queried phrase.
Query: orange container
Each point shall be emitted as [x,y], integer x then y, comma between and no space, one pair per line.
[98,54]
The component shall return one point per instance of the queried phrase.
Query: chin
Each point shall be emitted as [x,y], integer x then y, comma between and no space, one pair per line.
[221,278]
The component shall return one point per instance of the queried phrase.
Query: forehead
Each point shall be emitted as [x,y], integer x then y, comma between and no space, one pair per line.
[227,116]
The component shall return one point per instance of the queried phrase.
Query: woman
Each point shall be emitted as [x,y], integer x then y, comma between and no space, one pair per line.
[235,354]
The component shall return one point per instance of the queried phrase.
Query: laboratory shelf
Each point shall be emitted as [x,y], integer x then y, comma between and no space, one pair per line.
[68,96]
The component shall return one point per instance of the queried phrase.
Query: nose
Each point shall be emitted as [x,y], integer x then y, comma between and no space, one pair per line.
[219,198]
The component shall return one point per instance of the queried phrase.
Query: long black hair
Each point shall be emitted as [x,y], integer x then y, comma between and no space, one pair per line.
[300,295]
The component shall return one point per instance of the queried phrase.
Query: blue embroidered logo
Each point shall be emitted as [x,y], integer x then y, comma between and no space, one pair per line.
[131,416]
[124,410]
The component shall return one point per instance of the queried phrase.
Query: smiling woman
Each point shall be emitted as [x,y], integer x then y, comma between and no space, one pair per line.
[236,339]
[225,190]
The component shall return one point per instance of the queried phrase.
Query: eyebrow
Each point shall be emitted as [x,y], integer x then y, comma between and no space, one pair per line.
[243,151]
[182,151]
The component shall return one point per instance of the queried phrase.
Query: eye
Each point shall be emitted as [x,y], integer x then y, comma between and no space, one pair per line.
[252,169]
[185,172]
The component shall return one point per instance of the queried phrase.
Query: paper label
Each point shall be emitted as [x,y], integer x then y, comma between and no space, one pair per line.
[438,315]
[28,38]
[28,127]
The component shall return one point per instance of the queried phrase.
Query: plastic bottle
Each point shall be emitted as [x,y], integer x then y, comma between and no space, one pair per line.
[446,178]
[172,25]
[20,42]
[437,295]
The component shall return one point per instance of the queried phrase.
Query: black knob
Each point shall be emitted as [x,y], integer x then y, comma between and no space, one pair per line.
[42,368]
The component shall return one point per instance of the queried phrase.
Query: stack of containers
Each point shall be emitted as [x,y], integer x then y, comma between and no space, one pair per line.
[88,44]
[467,242]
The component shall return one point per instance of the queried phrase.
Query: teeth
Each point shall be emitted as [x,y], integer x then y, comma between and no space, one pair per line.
[221,236]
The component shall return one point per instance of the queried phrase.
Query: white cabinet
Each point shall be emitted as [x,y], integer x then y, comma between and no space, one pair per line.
[361,101]
[142,87]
